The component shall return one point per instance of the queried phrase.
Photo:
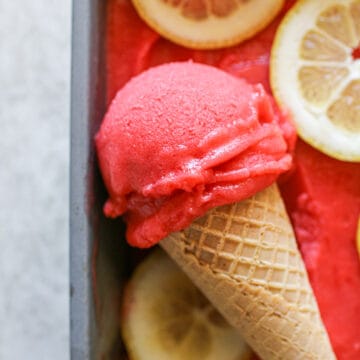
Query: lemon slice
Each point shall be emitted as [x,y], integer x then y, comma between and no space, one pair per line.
[165,317]
[315,74]
[207,24]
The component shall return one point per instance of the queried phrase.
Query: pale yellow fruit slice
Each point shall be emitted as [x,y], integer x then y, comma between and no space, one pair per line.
[165,317]
[207,24]
[315,74]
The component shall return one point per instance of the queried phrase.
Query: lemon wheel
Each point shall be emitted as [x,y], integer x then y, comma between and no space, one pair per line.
[207,24]
[315,74]
[165,317]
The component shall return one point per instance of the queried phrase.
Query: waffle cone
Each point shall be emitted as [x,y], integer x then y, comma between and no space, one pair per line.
[245,259]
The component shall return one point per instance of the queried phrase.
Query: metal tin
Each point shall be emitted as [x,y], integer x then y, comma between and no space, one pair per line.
[96,259]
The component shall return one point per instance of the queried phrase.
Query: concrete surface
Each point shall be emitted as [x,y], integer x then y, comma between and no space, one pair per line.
[34,173]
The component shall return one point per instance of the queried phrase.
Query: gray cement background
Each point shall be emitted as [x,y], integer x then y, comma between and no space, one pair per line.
[34,178]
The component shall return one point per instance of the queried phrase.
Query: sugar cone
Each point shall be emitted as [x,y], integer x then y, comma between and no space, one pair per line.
[245,259]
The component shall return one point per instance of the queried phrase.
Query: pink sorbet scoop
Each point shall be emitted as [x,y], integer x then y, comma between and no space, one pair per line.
[182,138]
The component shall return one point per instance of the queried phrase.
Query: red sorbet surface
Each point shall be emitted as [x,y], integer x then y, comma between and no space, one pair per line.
[133,47]
[322,194]
[323,200]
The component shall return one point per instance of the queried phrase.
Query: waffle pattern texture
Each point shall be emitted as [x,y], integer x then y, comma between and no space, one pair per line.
[245,259]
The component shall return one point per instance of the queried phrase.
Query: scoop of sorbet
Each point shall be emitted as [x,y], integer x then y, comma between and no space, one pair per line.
[182,138]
